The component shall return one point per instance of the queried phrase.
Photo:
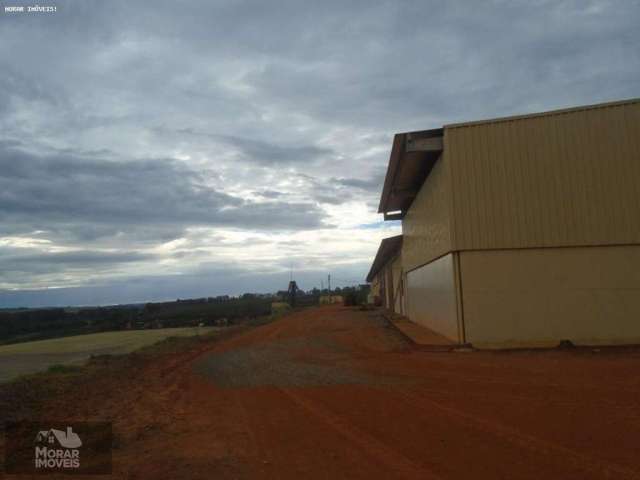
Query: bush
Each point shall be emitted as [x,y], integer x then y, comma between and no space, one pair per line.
[350,298]
[63,369]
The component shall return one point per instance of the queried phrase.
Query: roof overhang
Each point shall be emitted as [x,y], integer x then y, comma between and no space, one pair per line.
[388,249]
[413,155]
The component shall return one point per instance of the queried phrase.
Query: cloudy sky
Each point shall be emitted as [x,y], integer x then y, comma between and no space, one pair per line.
[155,150]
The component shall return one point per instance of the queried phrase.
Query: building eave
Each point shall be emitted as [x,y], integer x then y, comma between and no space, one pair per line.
[389,248]
[412,157]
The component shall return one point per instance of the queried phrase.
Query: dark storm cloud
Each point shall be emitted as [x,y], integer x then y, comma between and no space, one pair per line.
[336,191]
[267,153]
[420,65]
[18,260]
[372,184]
[375,63]
[105,196]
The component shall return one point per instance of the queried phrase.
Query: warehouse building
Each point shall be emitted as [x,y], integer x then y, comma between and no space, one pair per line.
[519,231]
[385,276]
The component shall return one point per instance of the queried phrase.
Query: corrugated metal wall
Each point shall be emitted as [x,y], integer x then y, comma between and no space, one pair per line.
[375,286]
[398,285]
[388,284]
[390,287]
[427,226]
[537,297]
[557,179]
[431,297]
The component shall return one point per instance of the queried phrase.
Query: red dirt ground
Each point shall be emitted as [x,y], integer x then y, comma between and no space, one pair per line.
[334,393]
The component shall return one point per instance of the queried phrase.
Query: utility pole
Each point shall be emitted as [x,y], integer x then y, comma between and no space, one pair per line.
[292,293]
[329,279]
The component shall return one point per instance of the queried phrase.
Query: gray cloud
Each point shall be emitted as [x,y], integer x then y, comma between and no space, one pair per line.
[124,126]
[269,193]
[86,257]
[263,152]
[372,184]
[102,197]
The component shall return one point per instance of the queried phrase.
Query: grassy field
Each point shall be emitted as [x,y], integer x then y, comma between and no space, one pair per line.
[31,357]
[280,308]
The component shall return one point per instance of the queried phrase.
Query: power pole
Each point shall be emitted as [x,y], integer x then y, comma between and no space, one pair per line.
[292,293]
[329,279]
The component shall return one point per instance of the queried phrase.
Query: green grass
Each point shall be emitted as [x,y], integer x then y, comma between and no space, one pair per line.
[62,369]
[123,341]
[62,355]
[280,308]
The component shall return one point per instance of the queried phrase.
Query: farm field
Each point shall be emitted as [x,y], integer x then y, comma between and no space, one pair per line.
[31,357]
[334,392]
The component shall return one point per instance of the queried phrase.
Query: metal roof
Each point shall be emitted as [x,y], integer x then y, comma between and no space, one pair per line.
[546,113]
[389,248]
[413,155]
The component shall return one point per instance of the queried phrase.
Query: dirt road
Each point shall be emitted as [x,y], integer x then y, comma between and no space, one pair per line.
[337,393]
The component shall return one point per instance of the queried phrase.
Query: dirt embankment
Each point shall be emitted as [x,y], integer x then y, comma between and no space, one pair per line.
[334,392]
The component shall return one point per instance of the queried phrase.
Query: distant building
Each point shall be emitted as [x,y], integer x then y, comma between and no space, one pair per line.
[330,299]
[518,231]
[385,276]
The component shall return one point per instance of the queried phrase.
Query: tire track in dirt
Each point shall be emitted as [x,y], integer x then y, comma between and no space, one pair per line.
[184,360]
[374,448]
[262,456]
[287,443]
[572,458]
[633,411]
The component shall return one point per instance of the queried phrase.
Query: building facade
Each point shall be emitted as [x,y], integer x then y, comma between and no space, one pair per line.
[386,275]
[522,231]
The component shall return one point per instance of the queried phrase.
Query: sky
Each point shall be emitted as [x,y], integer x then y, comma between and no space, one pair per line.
[161,150]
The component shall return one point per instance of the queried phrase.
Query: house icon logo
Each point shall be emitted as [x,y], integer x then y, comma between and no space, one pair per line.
[57,449]
[53,437]
[57,446]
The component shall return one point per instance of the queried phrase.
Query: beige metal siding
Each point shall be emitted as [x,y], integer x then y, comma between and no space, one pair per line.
[398,285]
[388,285]
[556,179]
[427,226]
[431,297]
[388,302]
[375,286]
[537,297]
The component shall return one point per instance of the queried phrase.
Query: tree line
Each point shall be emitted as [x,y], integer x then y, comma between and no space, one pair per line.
[35,324]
